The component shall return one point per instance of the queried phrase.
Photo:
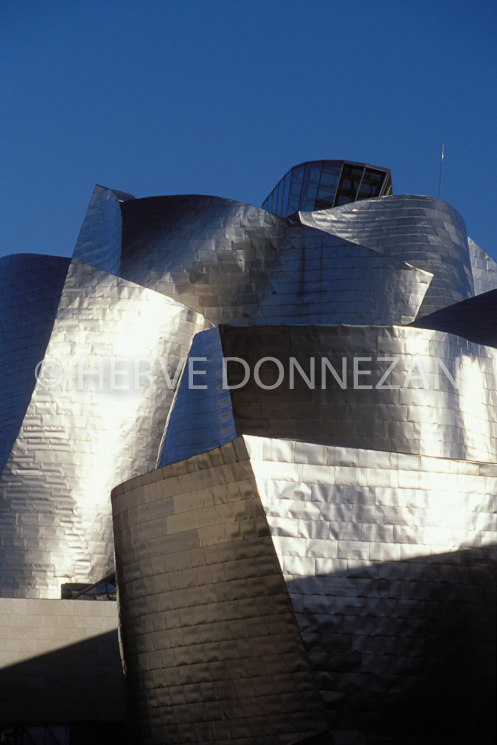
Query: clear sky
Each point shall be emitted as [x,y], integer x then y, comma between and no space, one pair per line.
[223,96]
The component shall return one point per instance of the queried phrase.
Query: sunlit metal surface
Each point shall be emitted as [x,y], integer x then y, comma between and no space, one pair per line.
[439,398]
[484,269]
[323,584]
[100,237]
[425,232]
[212,648]
[232,261]
[79,437]
[389,563]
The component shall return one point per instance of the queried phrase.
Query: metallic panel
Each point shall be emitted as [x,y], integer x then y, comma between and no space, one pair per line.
[99,240]
[30,288]
[423,231]
[200,419]
[390,564]
[211,646]
[402,412]
[474,319]
[231,261]
[389,561]
[484,269]
[319,279]
[77,439]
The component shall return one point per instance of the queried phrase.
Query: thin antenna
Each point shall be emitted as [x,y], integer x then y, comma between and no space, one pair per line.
[441,165]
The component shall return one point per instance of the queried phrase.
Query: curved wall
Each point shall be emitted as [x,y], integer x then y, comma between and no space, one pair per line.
[99,240]
[231,261]
[88,426]
[212,649]
[425,232]
[402,389]
[30,289]
[389,562]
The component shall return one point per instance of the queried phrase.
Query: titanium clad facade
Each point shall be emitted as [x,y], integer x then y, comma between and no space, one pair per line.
[313,558]
[387,561]
[442,401]
[79,435]
[210,640]
[423,231]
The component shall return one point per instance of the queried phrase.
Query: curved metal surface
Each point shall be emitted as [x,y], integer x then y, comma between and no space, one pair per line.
[232,261]
[378,506]
[81,436]
[382,555]
[385,557]
[212,649]
[100,237]
[402,389]
[201,415]
[423,231]
[484,269]
[30,289]
[474,319]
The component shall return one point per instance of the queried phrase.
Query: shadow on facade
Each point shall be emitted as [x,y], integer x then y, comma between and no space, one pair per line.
[80,685]
[404,652]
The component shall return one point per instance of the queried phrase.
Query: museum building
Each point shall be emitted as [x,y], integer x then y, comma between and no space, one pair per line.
[248,472]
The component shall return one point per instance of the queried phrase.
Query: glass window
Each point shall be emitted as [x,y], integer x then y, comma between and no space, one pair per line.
[280,207]
[371,184]
[328,186]
[295,189]
[349,184]
[276,204]
[310,185]
[286,193]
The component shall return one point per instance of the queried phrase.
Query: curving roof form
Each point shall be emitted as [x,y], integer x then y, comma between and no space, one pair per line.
[422,231]
[484,269]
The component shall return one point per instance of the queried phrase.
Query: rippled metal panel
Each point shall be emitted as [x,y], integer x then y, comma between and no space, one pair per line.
[423,231]
[484,269]
[232,261]
[210,641]
[99,240]
[390,563]
[418,407]
[78,439]
[30,288]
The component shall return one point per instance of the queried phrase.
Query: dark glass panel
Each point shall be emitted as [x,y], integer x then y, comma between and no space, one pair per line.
[349,184]
[310,186]
[277,199]
[295,188]
[328,186]
[286,193]
[371,184]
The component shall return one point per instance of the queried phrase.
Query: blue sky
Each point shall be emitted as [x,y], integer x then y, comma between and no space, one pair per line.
[222,97]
